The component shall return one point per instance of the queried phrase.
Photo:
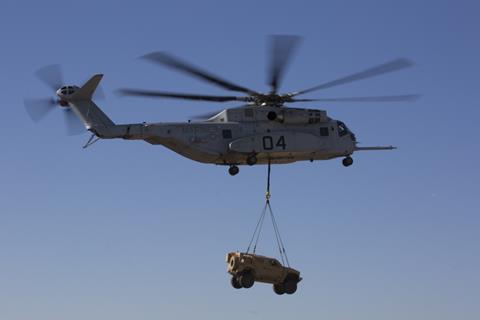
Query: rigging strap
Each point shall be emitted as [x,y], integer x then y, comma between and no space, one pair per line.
[259,226]
[256,233]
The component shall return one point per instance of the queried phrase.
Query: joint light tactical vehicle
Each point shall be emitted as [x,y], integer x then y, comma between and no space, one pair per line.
[246,268]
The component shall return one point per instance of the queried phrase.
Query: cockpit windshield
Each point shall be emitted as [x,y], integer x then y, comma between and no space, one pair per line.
[342,128]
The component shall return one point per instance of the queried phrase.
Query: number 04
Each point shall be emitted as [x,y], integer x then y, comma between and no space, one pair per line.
[268,143]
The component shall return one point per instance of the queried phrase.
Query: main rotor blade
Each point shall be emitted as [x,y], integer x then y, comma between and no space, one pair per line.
[73,126]
[37,109]
[51,75]
[282,48]
[175,63]
[391,66]
[174,95]
[399,98]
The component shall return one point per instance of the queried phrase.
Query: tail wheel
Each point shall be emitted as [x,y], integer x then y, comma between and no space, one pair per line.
[279,288]
[247,280]
[235,283]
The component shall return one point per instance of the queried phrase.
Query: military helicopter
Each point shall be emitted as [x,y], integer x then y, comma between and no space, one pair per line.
[262,131]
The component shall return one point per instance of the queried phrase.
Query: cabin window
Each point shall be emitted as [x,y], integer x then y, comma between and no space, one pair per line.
[324,131]
[227,134]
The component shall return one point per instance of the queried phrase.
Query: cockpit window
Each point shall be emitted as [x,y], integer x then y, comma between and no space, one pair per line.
[342,128]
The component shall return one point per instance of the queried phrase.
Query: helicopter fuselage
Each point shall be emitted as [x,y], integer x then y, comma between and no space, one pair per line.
[235,136]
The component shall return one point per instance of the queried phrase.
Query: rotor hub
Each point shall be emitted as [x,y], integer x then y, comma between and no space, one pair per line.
[271,100]
[66,91]
[62,103]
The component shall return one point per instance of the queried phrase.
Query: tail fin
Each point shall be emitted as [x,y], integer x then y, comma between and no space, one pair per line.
[87,90]
[89,113]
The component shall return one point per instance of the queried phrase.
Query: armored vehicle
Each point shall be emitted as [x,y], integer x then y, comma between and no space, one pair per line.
[246,268]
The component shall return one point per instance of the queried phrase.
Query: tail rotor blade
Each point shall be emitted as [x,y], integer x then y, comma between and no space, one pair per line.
[73,125]
[37,109]
[99,93]
[282,48]
[51,75]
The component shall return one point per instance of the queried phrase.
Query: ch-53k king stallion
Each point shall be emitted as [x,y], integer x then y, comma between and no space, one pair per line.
[262,131]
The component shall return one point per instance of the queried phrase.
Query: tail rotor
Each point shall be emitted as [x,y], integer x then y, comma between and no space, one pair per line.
[39,108]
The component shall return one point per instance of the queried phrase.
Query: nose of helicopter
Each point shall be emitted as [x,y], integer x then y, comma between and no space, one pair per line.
[354,138]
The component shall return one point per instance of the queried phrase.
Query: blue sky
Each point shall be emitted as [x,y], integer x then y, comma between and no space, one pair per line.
[127,230]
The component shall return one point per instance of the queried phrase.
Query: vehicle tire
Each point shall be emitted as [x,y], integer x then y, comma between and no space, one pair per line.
[247,280]
[251,160]
[290,286]
[233,170]
[347,162]
[235,283]
[279,288]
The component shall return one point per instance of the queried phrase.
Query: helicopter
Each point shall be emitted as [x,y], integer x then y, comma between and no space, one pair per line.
[261,131]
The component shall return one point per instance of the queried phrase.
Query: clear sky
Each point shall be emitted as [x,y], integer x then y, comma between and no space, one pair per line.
[127,230]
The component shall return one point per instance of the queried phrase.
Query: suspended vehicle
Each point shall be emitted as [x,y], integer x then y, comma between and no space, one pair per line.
[247,268]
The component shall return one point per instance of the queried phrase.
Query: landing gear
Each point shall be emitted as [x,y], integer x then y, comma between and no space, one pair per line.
[347,162]
[251,160]
[233,170]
